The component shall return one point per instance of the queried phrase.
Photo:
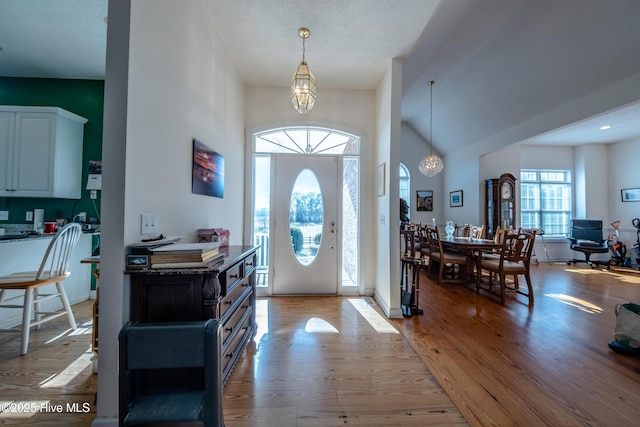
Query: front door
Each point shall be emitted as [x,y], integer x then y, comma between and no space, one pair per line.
[305,203]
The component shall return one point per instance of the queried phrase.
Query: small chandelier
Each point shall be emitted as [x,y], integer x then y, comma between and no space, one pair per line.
[431,165]
[303,84]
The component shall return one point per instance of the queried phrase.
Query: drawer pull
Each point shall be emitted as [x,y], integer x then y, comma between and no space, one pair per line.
[230,329]
[246,285]
[229,355]
[250,264]
[234,276]
[230,302]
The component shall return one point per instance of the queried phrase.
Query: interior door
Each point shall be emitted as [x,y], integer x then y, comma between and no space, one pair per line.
[304,228]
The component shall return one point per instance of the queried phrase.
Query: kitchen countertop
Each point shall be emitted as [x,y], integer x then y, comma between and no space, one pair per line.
[21,237]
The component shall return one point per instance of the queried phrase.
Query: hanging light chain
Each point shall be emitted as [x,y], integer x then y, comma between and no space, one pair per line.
[303,49]
[431,82]
[432,164]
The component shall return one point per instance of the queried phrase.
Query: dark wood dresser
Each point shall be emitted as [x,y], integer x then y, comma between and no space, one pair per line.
[225,292]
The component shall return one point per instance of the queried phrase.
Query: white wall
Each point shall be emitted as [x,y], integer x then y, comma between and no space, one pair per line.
[168,80]
[591,176]
[195,94]
[462,172]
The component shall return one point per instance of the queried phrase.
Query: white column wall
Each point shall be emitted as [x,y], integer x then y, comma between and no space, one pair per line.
[168,81]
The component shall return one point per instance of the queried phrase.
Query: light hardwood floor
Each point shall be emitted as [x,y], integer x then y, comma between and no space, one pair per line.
[531,366]
[37,388]
[332,361]
[329,361]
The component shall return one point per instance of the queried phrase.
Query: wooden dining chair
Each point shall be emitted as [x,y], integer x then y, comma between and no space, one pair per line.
[514,260]
[54,268]
[477,232]
[438,256]
[461,230]
[423,247]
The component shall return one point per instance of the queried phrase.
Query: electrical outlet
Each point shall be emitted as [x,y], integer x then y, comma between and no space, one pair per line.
[149,224]
[29,216]
[4,215]
[82,217]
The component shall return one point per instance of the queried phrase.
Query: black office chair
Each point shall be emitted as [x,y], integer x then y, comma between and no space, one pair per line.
[586,237]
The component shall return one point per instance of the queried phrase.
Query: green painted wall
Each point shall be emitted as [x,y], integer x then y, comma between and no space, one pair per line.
[82,97]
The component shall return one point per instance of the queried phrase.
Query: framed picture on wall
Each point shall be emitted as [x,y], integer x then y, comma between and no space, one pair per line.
[380,180]
[455,199]
[630,194]
[208,171]
[424,200]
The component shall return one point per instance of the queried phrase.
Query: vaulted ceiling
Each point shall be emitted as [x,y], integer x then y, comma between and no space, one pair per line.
[497,63]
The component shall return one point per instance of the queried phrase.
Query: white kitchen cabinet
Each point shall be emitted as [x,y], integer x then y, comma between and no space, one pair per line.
[40,152]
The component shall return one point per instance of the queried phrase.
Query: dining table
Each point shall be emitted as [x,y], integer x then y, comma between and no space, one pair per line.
[471,247]
[468,243]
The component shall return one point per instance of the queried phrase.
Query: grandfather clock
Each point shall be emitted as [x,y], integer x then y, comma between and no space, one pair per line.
[500,203]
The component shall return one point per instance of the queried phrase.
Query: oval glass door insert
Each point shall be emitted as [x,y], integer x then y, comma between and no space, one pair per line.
[306,217]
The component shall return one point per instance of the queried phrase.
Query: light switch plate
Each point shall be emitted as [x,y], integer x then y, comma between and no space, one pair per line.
[149,224]
[29,216]
[4,215]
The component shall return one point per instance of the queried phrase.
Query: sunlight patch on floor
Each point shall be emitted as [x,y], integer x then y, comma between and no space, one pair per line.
[318,326]
[378,322]
[262,319]
[580,304]
[80,330]
[70,372]
[627,278]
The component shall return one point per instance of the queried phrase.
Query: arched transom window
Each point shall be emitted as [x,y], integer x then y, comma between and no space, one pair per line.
[306,140]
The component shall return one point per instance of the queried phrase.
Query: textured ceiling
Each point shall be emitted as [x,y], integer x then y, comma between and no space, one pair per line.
[53,38]
[497,63]
[351,44]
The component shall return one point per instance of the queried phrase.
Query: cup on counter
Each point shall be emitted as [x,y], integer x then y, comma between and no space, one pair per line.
[50,227]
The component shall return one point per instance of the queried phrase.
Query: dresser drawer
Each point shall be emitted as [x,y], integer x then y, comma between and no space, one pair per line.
[233,274]
[232,325]
[236,345]
[233,296]
[250,263]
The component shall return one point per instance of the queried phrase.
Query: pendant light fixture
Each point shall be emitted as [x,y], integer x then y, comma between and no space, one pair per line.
[431,165]
[303,84]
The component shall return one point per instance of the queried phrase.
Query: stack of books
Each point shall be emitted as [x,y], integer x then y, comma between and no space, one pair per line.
[186,255]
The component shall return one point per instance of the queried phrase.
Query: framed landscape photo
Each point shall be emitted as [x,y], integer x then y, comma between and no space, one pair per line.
[424,200]
[208,171]
[630,194]
[137,262]
[455,199]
